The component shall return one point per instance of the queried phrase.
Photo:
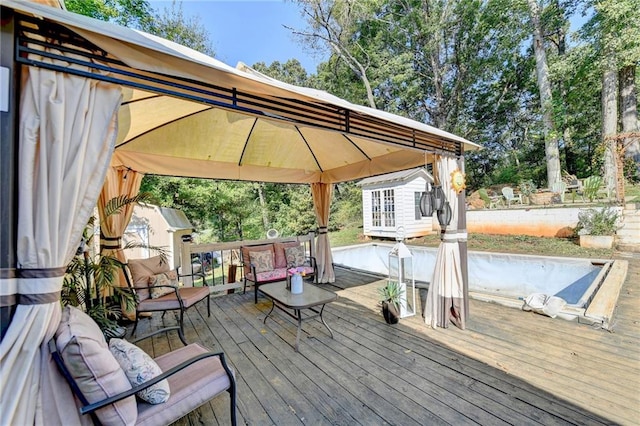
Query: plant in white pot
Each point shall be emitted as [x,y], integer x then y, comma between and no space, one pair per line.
[390,298]
[597,227]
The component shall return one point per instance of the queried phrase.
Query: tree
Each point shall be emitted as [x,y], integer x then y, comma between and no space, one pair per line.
[552,152]
[331,25]
[170,23]
[128,13]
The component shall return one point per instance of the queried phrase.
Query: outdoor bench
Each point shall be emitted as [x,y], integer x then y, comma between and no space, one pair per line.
[268,263]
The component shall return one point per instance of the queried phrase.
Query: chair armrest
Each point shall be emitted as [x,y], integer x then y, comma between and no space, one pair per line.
[100,404]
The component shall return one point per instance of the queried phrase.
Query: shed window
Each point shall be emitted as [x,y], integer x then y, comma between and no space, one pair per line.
[416,204]
[389,209]
[383,209]
[375,209]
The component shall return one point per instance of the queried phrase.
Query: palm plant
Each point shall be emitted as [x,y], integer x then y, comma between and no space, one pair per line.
[90,279]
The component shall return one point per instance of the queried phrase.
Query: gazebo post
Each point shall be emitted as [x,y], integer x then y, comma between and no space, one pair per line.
[462,229]
[8,167]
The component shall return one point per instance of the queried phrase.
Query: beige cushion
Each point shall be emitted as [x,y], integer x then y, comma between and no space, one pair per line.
[262,260]
[140,368]
[296,256]
[280,257]
[189,295]
[169,278]
[190,388]
[142,269]
[95,370]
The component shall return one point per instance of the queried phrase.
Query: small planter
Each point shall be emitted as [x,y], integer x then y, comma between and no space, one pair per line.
[390,313]
[596,241]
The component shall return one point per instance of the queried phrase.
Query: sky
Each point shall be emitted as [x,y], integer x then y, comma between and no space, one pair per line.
[250,30]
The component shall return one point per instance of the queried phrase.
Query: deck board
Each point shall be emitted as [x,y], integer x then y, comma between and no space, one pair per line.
[507,367]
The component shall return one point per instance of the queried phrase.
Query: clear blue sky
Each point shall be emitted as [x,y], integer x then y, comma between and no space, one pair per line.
[249,31]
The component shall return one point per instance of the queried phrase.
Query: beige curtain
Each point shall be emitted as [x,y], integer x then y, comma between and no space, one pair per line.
[67,132]
[120,181]
[321,203]
[445,300]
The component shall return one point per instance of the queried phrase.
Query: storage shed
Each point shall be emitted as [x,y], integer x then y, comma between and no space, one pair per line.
[157,227]
[393,200]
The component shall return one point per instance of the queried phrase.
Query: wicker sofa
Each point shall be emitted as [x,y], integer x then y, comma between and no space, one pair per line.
[267,263]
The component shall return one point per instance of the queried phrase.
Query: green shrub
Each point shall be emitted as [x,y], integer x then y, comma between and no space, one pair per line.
[597,222]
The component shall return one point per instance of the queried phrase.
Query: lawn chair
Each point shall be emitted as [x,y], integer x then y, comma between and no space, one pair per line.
[157,290]
[106,392]
[489,202]
[559,188]
[507,193]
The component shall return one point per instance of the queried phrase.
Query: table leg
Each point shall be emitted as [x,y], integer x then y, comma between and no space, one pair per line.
[325,324]
[273,305]
[299,316]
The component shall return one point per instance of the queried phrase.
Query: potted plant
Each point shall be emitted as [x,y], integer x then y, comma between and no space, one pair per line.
[89,281]
[596,227]
[390,296]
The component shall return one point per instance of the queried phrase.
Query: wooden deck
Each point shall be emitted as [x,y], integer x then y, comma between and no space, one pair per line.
[508,367]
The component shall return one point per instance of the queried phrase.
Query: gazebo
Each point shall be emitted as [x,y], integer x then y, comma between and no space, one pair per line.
[91,107]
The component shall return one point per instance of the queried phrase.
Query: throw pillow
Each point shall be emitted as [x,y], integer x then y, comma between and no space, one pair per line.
[262,260]
[296,256]
[165,279]
[96,371]
[140,368]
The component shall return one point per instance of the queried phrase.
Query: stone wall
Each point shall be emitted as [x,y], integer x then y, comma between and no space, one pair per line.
[537,222]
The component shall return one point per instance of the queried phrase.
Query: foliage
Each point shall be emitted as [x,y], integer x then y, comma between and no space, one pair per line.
[527,187]
[391,293]
[89,281]
[591,186]
[602,221]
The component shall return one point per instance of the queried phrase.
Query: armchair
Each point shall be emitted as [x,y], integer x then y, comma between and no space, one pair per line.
[157,290]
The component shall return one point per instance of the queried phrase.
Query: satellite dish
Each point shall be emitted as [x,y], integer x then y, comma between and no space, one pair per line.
[272,233]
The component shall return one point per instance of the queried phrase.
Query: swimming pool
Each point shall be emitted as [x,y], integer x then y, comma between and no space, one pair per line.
[497,277]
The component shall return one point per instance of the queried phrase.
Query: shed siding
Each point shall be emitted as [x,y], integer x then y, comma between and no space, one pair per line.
[404,193]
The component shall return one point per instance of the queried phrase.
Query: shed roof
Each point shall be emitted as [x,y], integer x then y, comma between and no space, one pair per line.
[176,219]
[401,176]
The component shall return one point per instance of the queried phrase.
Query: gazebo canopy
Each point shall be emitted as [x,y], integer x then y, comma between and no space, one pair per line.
[186,114]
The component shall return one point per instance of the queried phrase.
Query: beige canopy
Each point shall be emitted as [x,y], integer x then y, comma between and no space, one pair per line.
[187,114]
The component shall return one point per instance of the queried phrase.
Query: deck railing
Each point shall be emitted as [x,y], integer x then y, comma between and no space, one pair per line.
[229,255]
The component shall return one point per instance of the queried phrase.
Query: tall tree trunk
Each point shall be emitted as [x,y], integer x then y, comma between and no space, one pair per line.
[629,106]
[263,207]
[546,100]
[610,125]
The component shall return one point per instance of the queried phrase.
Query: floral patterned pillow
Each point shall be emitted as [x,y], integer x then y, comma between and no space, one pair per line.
[169,278]
[262,260]
[140,368]
[296,256]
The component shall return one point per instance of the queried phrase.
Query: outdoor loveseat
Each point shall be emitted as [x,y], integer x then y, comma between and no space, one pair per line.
[110,380]
[267,263]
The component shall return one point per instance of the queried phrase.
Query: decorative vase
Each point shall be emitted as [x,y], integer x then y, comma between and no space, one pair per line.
[296,284]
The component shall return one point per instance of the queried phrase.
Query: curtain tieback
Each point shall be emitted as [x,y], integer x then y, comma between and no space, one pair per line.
[31,286]
[111,243]
[322,230]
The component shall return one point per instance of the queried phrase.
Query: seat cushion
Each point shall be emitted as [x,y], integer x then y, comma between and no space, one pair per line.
[96,371]
[142,269]
[189,295]
[190,387]
[140,368]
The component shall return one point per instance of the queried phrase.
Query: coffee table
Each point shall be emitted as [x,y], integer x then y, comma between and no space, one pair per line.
[311,298]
